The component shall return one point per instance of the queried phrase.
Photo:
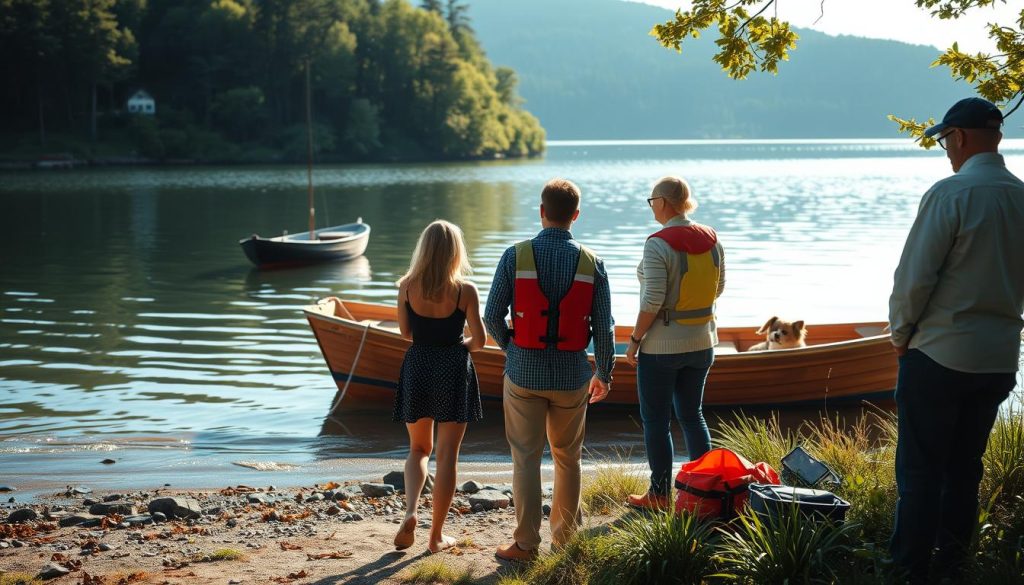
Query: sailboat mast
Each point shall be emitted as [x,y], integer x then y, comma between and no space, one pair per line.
[309,158]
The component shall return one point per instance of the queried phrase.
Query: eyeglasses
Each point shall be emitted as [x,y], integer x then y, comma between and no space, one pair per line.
[650,201]
[942,139]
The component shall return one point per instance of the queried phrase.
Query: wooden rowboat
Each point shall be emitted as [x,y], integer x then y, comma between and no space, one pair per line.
[845,362]
[340,242]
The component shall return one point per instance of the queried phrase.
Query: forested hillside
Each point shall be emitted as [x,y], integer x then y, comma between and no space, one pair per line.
[590,69]
[389,80]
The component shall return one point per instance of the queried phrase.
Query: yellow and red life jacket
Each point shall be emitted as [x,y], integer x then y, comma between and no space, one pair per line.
[531,310]
[701,269]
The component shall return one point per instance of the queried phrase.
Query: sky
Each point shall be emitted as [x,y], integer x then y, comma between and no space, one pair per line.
[888,19]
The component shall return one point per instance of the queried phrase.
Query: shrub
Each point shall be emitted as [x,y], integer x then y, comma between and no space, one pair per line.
[661,548]
[783,550]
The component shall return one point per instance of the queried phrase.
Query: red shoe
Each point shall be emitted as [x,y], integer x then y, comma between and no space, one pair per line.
[648,501]
[512,552]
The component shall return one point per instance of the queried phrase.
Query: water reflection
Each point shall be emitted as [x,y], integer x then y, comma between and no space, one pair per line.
[128,310]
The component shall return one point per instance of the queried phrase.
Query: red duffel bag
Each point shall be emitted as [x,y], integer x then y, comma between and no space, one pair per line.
[715,485]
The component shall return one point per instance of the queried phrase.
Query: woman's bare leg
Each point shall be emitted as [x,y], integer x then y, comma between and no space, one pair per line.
[421,434]
[449,441]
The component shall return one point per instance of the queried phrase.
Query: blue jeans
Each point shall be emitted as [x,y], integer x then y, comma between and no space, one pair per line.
[665,381]
[945,418]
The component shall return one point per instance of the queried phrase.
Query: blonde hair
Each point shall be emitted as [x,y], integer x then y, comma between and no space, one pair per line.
[439,263]
[676,192]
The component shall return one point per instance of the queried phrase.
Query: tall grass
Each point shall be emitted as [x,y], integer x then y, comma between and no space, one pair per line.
[789,548]
[1004,457]
[575,563]
[605,489]
[663,548]
[864,455]
[755,438]
[435,570]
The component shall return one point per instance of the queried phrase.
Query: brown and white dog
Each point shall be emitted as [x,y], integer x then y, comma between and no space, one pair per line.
[780,334]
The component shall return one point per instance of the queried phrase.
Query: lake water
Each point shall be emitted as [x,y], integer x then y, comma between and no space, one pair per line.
[132,326]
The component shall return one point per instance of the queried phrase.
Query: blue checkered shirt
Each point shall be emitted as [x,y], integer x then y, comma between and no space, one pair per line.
[556,254]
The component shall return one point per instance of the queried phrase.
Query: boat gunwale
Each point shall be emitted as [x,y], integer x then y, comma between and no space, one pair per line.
[363,231]
[835,347]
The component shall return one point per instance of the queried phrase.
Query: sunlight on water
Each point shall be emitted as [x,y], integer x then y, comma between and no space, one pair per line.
[130,319]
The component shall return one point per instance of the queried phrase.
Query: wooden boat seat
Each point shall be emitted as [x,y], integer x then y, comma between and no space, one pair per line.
[725,347]
[870,330]
[387,325]
[334,235]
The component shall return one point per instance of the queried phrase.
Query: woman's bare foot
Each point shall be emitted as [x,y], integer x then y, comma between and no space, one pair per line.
[406,536]
[444,543]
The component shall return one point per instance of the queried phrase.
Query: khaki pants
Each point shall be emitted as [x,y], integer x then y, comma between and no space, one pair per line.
[528,415]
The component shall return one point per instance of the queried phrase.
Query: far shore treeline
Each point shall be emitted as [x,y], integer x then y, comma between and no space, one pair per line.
[389,81]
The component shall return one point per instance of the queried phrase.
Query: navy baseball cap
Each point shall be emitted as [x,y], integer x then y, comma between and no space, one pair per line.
[970,112]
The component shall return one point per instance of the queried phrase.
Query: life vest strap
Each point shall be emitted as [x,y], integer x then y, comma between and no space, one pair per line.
[668,315]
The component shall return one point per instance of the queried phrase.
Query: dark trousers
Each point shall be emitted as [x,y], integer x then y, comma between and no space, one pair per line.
[666,382]
[945,419]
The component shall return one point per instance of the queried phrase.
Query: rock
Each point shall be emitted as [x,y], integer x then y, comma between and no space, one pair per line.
[72,520]
[490,500]
[471,487]
[314,497]
[6,488]
[52,571]
[353,517]
[139,519]
[477,508]
[108,462]
[256,499]
[546,509]
[333,510]
[231,523]
[377,490]
[91,522]
[106,547]
[10,500]
[396,478]
[81,490]
[115,507]
[159,517]
[22,515]
[175,507]
[214,511]
[17,543]
[113,497]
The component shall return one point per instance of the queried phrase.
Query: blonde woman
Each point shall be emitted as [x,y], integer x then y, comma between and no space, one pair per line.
[672,345]
[438,382]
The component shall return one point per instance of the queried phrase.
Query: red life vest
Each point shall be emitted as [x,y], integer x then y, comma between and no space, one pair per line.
[531,309]
[701,269]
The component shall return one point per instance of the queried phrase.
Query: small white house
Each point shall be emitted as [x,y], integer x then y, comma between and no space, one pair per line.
[142,103]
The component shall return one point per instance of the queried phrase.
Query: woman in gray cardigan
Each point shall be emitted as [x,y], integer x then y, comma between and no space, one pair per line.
[672,345]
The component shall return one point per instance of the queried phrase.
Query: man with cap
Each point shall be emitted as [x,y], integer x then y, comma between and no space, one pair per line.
[955,314]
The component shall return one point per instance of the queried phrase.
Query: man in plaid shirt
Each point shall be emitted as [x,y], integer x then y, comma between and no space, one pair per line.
[546,390]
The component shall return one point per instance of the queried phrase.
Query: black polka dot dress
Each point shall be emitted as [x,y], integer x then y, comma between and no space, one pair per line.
[438,379]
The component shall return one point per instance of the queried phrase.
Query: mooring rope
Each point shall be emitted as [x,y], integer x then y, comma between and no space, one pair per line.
[352,370]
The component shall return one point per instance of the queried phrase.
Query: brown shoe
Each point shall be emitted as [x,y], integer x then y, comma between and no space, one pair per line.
[513,552]
[648,501]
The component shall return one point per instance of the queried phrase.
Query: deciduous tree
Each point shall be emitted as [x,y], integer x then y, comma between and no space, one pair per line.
[750,38]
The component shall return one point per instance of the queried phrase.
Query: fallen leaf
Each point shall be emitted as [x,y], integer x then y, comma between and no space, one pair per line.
[289,546]
[338,554]
[331,485]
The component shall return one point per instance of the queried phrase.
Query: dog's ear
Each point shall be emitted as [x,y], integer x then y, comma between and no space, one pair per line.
[767,325]
[798,327]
